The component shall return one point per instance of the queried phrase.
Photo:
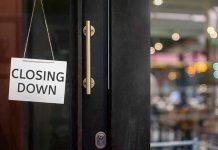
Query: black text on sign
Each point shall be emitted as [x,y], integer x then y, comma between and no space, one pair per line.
[37,80]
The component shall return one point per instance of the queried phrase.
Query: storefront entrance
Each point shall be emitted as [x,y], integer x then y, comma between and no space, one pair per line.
[107,90]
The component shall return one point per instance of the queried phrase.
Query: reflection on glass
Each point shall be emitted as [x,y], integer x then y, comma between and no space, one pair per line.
[33,126]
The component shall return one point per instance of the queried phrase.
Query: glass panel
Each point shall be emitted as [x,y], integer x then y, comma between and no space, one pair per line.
[24,125]
[48,125]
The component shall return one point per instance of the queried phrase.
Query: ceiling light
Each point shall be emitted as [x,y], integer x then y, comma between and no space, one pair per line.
[175,36]
[158,46]
[158,2]
[152,50]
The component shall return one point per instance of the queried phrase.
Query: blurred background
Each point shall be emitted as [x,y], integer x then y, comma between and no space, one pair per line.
[184,73]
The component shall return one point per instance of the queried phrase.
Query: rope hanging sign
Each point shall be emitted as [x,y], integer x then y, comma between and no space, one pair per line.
[37,80]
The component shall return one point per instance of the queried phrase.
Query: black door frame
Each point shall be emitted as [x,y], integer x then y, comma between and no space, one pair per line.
[129,75]
[130,95]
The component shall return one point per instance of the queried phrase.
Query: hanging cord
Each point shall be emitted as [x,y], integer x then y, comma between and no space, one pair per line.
[30,27]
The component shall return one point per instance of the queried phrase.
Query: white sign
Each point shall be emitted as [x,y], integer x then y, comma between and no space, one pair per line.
[37,80]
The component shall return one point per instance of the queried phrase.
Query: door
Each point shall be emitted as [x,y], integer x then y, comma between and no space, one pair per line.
[119,102]
[117,108]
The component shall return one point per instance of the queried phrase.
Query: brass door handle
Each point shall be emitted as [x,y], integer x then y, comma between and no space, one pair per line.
[88,81]
[88,58]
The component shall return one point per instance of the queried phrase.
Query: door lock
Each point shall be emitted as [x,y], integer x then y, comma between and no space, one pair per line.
[100,140]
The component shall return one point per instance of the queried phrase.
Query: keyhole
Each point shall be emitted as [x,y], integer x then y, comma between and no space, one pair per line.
[100,137]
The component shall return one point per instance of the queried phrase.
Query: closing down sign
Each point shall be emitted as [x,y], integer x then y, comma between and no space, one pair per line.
[37,80]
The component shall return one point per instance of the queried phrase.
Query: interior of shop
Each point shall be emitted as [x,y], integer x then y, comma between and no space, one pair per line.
[184,74]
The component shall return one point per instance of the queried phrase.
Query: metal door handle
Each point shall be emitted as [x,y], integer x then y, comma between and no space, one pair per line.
[88,81]
[88,58]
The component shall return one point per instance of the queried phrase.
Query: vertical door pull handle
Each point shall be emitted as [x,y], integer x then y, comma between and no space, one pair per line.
[88,82]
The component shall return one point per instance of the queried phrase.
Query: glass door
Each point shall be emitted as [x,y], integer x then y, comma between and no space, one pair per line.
[51,126]
[34,126]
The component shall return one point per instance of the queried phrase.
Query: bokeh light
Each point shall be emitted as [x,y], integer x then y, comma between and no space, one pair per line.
[210,30]
[152,50]
[215,74]
[158,2]
[175,36]
[213,35]
[215,66]
[158,46]
[172,75]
